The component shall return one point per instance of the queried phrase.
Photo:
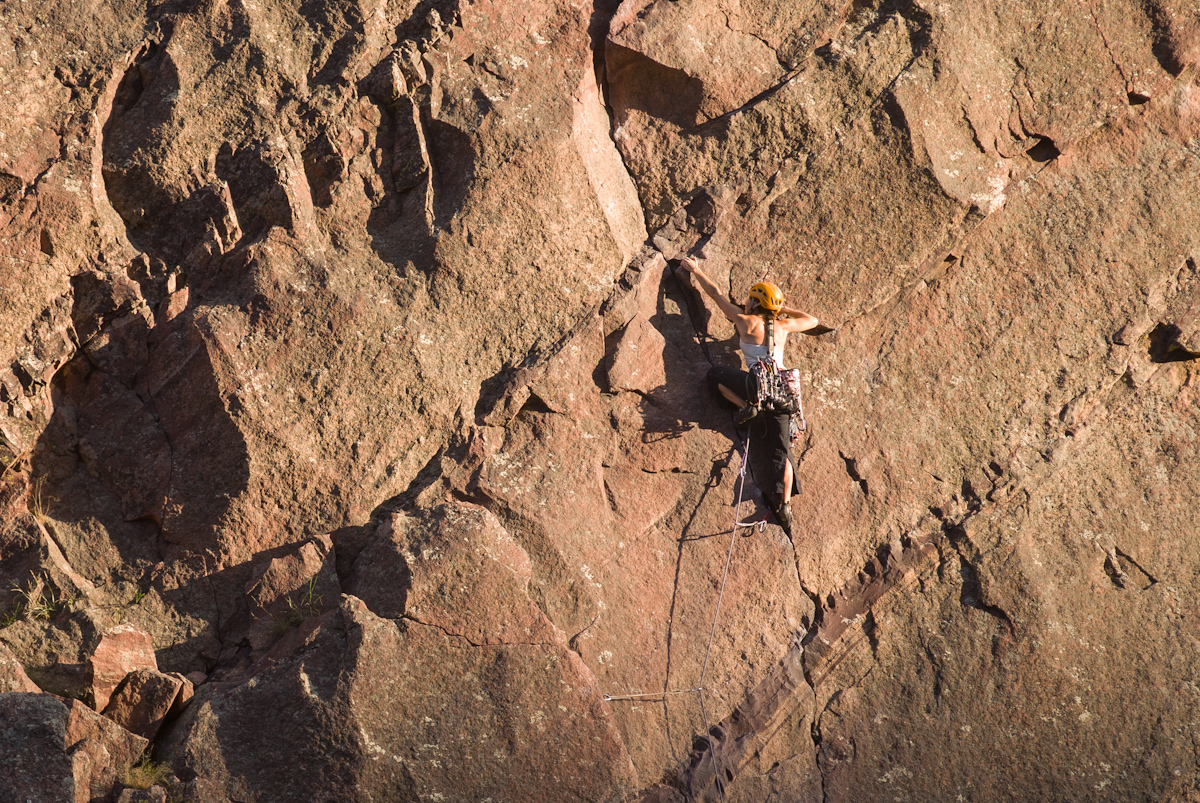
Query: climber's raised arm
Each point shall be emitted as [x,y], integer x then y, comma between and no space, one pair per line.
[796,321]
[731,310]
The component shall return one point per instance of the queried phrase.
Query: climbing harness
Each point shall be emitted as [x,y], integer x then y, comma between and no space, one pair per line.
[775,388]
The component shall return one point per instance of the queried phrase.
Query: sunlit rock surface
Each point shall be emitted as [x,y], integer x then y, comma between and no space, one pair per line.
[342,353]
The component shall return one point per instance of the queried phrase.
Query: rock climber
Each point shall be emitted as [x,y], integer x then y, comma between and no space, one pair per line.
[763,310]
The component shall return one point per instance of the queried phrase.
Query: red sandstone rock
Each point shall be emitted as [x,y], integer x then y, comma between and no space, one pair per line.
[348,270]
[122,650]
[637,363]
[289,589]
[143,700]
[12,674]
[56,751]
[445,568]
[360,729]
[187,690]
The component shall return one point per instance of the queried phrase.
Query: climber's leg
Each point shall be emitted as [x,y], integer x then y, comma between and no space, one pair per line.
[728,381]
[778,438]
[731,396]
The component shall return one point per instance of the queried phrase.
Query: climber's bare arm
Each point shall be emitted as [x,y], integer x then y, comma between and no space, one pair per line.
[730,310]
[796,321]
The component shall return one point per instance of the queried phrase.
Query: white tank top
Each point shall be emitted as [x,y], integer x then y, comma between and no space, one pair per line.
[754,352]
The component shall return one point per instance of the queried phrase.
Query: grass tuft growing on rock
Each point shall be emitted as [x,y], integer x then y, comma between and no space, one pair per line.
[147,773]
[37,500]
[36,602]
[308,606]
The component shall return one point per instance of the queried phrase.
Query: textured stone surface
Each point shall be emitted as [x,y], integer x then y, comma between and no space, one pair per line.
[290,588]
[143,700]
[57,751]
[12,674]
[122,650]
[55,651]
[372,297]
[512,721]
[155,794]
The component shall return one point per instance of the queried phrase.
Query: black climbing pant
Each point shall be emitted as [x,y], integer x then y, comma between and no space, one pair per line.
[773,428]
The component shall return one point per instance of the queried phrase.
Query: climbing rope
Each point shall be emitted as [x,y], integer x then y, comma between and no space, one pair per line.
[699,689]
[737,515]
[738,523]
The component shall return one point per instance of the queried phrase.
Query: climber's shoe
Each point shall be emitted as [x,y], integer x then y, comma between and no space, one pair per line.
[744,415]
[781,512]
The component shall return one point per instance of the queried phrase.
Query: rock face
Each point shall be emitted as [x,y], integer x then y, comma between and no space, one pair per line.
[121,651]
[143,700]
[56,751]
[506,721]
[12,674]
[342,357]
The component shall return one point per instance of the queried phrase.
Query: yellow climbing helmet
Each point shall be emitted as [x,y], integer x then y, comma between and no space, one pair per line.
[768,295]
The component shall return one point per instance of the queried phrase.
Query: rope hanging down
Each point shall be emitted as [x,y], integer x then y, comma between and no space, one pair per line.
[699,689]
[733,536]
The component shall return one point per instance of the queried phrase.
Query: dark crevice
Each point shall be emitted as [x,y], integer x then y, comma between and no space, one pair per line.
[972,595]
[532,407]
[972,590]
[1044,150]
[852,471]
[1112,57]
[817,609]
[1164,46]
[1137,98]
[870,629]
[429,474]
[408,617]
[573,641]
[971,497]
[612,497]
[1112,567]
[1165,345]
[708,126]
[1125,572]
[1134,568]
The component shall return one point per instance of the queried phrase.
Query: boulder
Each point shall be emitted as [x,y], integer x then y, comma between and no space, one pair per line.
[122,650]
[58,751]
[455,568]
[637,363]
[143,700]
[12,674]
[155,794]
[54,651]
[290,588]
